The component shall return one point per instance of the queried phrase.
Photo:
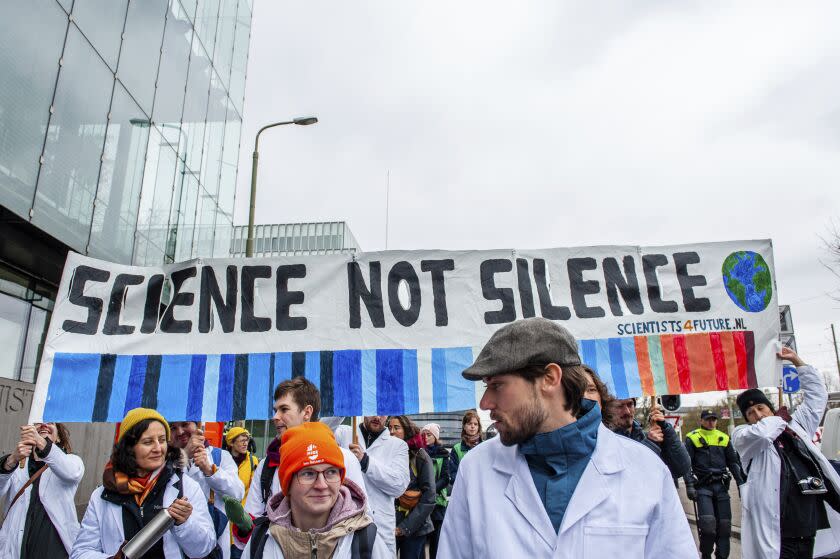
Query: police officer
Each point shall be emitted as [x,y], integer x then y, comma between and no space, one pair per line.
[711,454]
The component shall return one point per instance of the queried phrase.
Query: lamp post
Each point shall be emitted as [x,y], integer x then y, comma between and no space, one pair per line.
[304,121]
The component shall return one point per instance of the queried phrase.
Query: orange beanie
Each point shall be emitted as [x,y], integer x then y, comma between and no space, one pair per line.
[307,445]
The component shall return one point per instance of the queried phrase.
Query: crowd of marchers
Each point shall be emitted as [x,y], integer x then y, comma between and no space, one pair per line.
[571,473]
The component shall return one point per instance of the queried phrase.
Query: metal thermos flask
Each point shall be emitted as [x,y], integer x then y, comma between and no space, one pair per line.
[148,536]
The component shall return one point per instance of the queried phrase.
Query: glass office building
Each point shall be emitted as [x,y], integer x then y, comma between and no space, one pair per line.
[283,239]
[119,138]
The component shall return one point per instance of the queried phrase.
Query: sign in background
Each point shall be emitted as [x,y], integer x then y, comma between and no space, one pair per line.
[790,379]
[390,332]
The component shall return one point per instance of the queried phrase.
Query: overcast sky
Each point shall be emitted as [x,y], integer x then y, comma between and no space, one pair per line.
[551,124]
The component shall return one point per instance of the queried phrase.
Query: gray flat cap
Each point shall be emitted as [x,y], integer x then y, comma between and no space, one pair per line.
[533,341]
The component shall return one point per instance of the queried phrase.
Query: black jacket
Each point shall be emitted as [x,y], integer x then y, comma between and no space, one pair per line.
[670,450]
[418,521]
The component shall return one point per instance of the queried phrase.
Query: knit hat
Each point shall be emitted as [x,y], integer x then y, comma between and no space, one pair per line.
[234,432]
[751,397]
[135,416]
[306,445]
[434,429]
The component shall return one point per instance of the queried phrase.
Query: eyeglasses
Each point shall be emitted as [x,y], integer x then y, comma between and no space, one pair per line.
[308,477]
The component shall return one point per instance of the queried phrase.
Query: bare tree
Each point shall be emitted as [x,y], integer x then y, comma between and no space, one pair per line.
[831,246]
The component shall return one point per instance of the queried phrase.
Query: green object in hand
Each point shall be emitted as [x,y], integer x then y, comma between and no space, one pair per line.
[236,514]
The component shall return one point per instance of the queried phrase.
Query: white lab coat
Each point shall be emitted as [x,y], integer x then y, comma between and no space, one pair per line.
[387,478]
[760,500]
[57,489]
[225,481]
[624,505]
[102,532]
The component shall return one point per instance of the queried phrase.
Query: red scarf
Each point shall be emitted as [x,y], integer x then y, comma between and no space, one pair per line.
[471,441]
[272,453]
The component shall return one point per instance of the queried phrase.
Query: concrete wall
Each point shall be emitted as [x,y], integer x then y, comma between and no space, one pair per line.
[91,441]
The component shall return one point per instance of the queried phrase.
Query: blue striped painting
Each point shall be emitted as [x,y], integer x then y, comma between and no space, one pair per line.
[352,382]
[240,386]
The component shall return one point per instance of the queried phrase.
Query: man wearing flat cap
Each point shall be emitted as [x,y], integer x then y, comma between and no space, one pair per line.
[555,482]
[792,495]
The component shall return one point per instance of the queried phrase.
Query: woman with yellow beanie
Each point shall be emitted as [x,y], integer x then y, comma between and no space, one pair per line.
[143,477]
[239,443]
[319,514]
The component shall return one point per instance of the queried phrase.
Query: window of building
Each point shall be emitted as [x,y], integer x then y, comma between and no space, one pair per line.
[102,22]
[76,136]
[120,181]
[25,307]
[140,52]
[31,36]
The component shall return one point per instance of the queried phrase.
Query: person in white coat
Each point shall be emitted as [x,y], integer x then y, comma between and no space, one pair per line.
[319,512]
[214,470]
[143,478]
[42,521]
[556,483]
[296,401]
[778,519]
[384,462]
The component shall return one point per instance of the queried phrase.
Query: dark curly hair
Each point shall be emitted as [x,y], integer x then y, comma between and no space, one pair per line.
[122,457]
[410,430]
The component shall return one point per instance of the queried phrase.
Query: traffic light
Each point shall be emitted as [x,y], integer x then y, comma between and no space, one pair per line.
[671,402]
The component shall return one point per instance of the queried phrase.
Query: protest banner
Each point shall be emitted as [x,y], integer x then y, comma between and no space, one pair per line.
[390,332]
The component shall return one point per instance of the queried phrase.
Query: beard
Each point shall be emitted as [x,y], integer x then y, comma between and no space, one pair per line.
[374,426]
[624,423]
[523,423]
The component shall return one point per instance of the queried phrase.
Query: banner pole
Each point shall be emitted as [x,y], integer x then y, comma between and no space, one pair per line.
[731,413]
[355,431]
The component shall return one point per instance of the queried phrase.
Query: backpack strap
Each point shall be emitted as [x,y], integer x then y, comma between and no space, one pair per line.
[259,536]
[29,482]
[362,545]
[266,477]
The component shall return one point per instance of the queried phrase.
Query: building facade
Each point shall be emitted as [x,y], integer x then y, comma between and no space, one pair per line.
[283,239]
[119,138]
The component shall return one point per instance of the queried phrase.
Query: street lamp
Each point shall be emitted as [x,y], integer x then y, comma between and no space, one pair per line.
[304,121]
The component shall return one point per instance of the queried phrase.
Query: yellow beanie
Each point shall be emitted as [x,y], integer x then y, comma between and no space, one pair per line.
[234,432]
[135,416]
